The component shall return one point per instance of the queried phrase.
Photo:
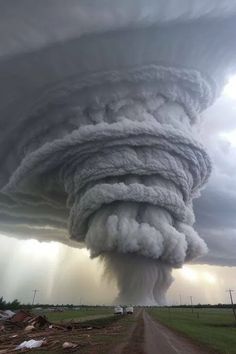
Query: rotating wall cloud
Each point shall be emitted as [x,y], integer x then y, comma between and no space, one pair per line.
[123,166]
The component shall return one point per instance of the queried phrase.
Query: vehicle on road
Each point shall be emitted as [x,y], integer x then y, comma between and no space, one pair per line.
[129,310]
[118,310]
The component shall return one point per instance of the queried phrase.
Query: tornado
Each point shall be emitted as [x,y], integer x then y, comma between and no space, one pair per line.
[102,144]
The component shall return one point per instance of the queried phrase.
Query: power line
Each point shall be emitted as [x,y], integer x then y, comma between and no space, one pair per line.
[34,295]
[232,303]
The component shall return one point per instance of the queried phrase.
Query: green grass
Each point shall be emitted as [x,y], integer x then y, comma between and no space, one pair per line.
[81,314]
[214,328]
[100,321]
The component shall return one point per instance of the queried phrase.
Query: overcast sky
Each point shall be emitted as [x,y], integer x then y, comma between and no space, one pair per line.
[215,210]
[67,275]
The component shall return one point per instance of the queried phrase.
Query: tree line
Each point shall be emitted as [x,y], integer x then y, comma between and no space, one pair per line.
[16,305]
[10,305]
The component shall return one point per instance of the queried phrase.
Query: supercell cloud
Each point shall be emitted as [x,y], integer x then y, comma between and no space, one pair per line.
[100,147]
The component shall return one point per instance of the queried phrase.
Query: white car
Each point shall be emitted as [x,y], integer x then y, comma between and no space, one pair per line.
[118,310]
[129,310]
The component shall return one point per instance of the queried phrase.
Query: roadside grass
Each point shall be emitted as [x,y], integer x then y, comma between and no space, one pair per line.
[214,328]
[100,322]
[82,313]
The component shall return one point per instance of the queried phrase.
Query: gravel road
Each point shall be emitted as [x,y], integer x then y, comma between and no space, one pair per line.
[148,336]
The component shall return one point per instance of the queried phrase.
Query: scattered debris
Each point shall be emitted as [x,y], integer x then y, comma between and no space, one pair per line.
[69,345]
[6,314]
[21,316]
[54,326]
[22,320]
[25,330]
[29,344]
[39,322]
[29,328]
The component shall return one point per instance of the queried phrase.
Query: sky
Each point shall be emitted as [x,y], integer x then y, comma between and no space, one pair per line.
[67,275]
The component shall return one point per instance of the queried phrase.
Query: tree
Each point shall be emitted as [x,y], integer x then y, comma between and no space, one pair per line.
[2,303]
[14,305]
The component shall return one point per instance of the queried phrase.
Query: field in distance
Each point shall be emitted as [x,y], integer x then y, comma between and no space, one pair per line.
[214,328]
[82,313]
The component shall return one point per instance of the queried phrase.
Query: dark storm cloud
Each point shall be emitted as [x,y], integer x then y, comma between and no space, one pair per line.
[99,131]
[215,210]
[215,215]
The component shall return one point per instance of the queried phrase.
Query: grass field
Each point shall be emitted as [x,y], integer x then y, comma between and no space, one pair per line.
[215,328]
[84,313]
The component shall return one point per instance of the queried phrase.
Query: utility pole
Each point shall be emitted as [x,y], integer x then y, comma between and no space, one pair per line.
[180,300]
[232,303]
[191,299]
[34,295]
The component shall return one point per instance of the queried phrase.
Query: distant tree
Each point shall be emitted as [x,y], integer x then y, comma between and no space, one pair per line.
[2,303]
[14,305]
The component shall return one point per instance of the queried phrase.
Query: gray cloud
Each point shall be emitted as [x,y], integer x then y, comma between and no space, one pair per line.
[215,210]
[100,141]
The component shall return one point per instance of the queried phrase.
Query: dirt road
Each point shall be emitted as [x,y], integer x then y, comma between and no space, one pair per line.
[150,337]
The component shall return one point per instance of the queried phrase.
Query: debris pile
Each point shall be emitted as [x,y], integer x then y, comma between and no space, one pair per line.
[4,315]
[23,331]
[22,320]
[30,344]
